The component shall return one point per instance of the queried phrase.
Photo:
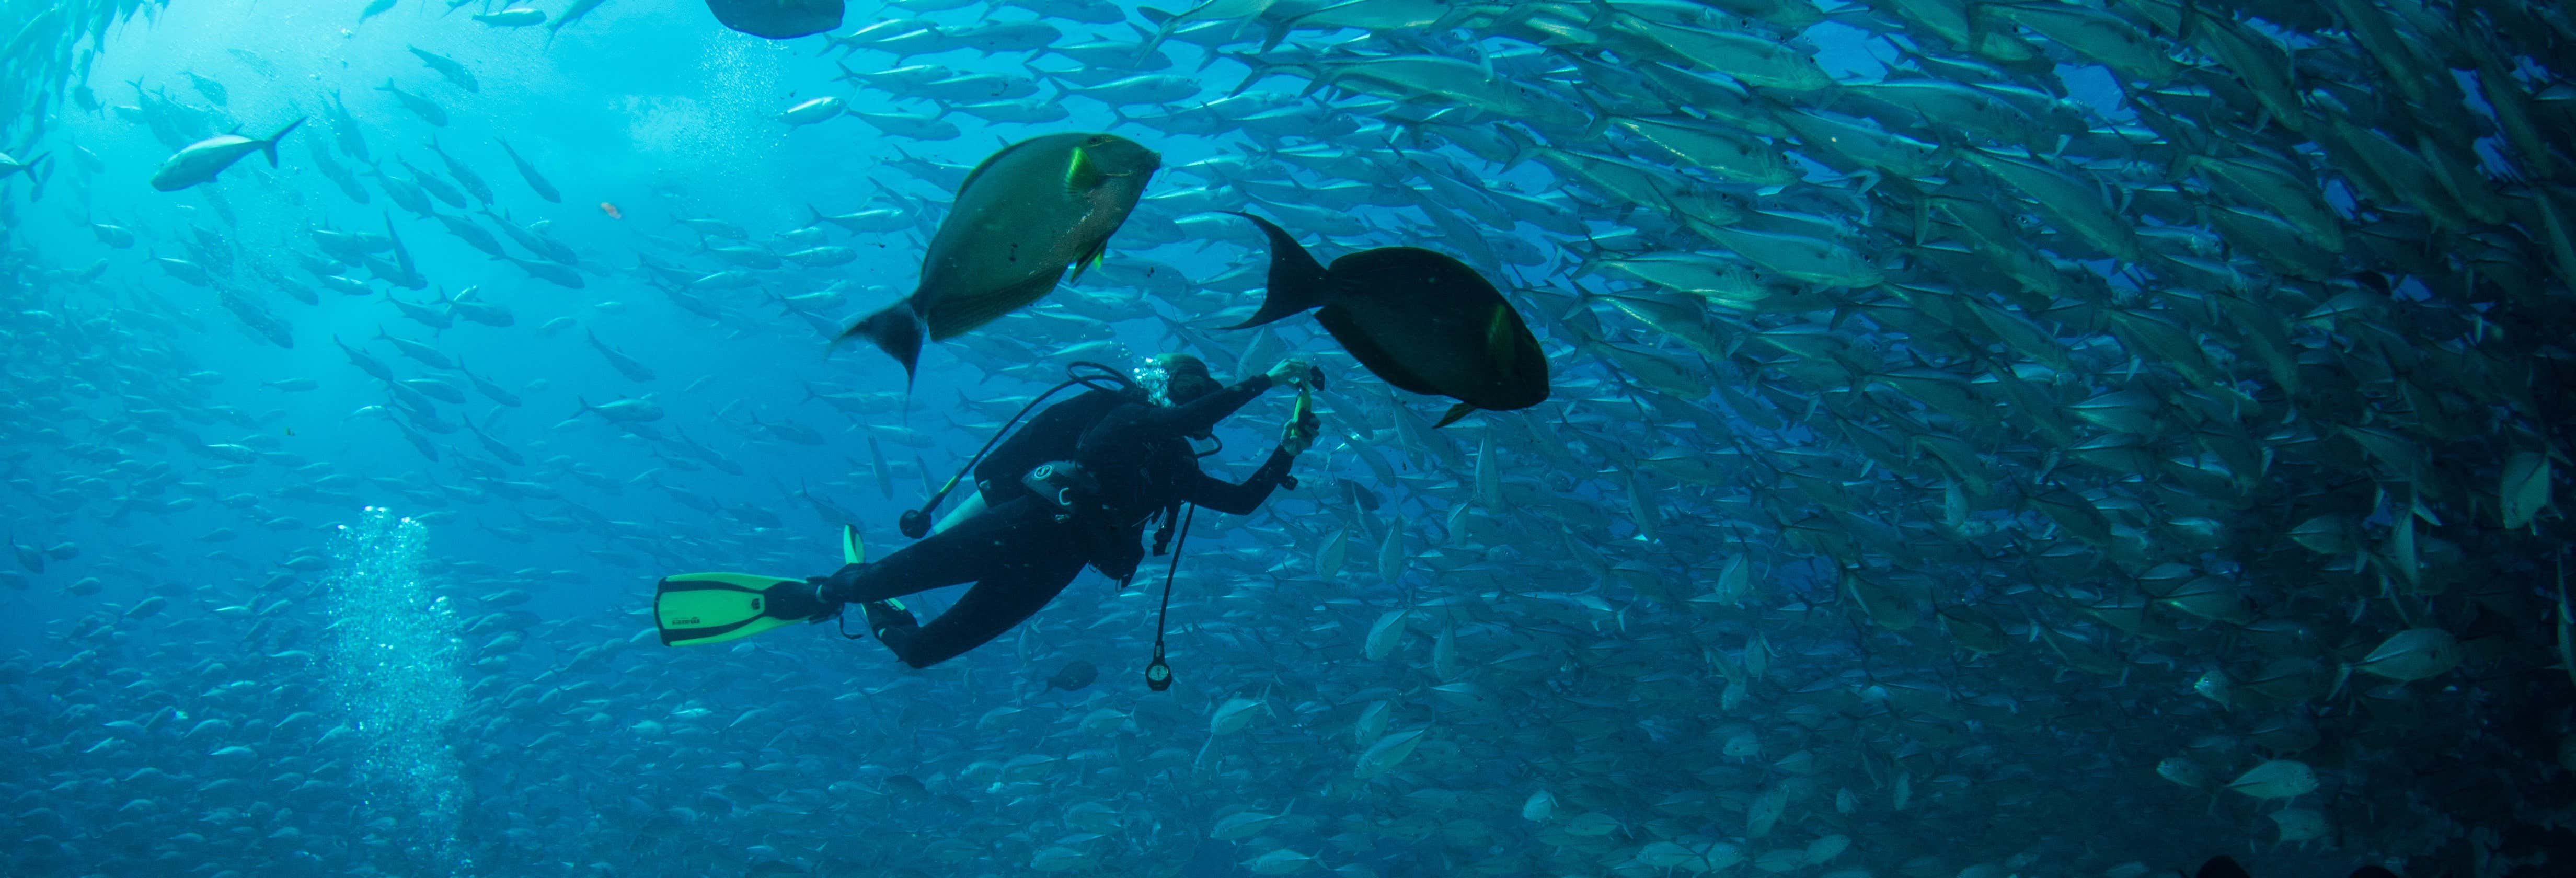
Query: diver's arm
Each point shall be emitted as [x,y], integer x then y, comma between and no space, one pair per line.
[1199,416]
[1242,499]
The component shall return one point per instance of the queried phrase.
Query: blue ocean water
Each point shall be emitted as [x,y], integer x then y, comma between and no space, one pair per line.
[2131,438]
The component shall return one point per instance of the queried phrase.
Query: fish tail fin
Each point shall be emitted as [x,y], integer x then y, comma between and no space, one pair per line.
[1297,281]
[1323,79]
[269,146]
[897,330]
[1455,412]
[813,216]
[1258,71]
[1162,31]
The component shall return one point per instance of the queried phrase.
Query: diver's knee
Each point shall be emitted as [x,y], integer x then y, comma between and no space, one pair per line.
[914,655]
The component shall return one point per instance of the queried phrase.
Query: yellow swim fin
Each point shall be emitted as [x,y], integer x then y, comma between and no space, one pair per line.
[695,608]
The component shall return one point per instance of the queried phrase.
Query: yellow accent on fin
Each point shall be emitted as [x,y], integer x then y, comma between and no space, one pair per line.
[1080,175]
[1498,337]
[1089,260]
[852,551]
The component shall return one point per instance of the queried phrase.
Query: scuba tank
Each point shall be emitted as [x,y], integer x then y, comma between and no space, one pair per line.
[1065,485]
[915,523]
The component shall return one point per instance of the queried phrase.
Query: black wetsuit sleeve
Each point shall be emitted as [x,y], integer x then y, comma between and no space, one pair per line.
[1241,499]
[1198,416]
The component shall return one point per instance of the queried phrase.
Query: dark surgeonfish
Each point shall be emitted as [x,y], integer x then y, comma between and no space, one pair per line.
[1076,675]
[778,19]
[1423,321]
[1021,218]
[2224,866]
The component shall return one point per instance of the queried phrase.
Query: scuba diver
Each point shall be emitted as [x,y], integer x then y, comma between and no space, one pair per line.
[1077,486]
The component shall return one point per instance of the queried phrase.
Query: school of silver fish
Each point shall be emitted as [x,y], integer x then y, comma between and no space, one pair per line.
[1987,438]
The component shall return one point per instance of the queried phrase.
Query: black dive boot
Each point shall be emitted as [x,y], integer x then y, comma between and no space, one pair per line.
[889,617]
[809,600]
[825,599]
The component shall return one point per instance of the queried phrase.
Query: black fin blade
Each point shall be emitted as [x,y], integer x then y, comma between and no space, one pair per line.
[1297,281]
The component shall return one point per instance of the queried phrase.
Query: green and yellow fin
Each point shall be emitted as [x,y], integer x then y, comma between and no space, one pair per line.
[696,608]
[1080,174]
[1499,335]
[1092,259]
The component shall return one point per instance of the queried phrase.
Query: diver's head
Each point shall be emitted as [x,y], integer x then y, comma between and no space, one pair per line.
[1175,379]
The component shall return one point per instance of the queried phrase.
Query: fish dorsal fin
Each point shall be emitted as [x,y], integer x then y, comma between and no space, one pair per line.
[1081,174]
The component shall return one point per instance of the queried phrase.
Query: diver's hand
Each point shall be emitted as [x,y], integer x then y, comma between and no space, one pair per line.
[1294,441]
[1292,372]
[1298,435]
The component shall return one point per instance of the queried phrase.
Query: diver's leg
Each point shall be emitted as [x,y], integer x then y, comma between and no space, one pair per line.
[977,549]
[993,606]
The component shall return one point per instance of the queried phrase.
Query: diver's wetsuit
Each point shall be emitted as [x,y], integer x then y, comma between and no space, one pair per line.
[1020,554]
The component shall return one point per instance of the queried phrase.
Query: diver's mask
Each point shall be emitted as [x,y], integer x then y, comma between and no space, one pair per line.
[1176,379]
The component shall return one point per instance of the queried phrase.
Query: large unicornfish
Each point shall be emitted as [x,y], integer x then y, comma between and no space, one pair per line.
[1021,218]
[1423,321]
